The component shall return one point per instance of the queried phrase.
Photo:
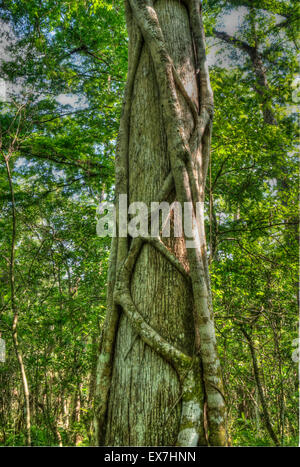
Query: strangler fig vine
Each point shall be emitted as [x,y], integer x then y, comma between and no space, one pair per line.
[184,107]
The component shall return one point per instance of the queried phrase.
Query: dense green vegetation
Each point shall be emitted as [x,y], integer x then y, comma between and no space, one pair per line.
[64,64]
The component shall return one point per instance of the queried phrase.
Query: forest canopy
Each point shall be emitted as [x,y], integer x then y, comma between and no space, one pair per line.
[63,71]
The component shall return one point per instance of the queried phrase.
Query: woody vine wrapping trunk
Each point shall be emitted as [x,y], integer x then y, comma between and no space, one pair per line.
[158,375]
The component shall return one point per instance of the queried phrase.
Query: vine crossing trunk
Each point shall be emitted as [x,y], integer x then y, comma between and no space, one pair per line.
[158,361]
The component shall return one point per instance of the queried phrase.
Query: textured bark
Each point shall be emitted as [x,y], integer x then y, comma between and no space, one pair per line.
[158,360]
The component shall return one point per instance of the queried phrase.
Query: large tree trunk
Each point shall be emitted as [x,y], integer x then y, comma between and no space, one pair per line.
[158,360]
